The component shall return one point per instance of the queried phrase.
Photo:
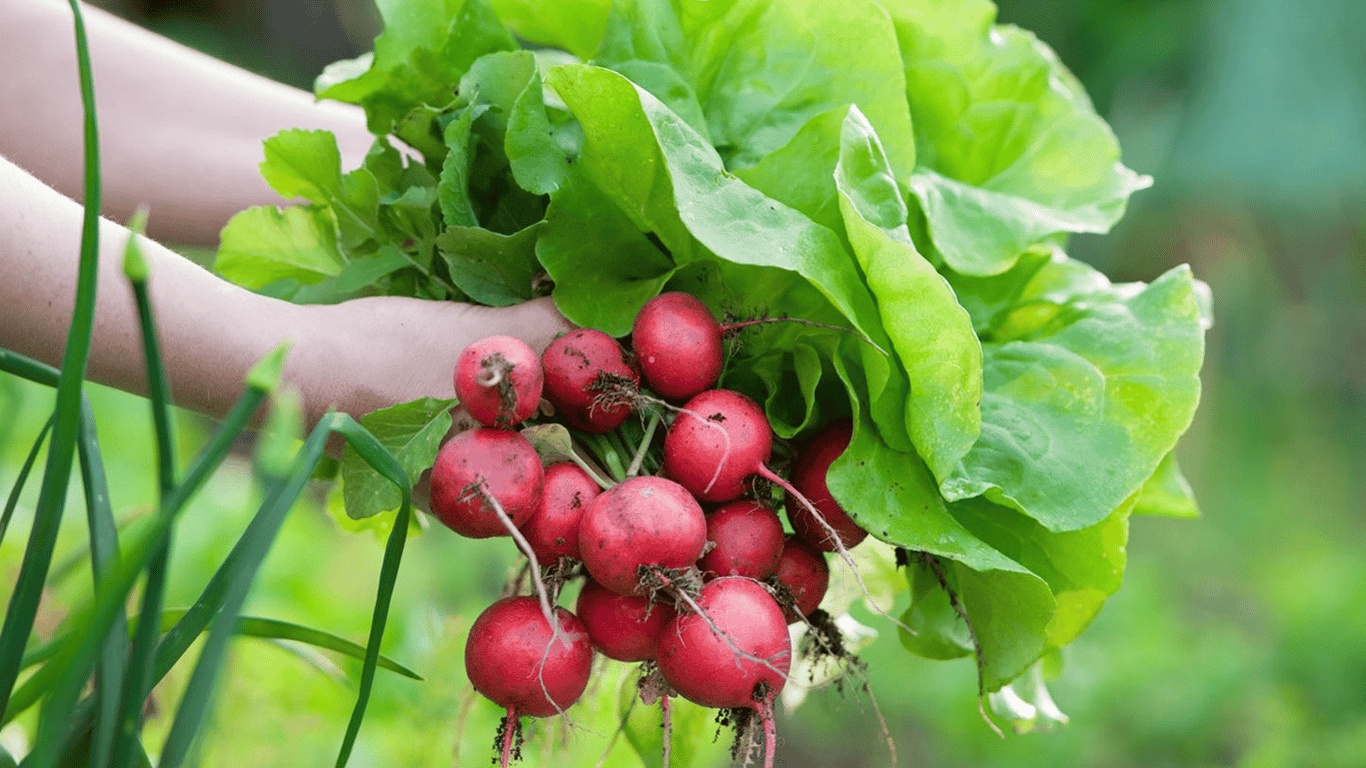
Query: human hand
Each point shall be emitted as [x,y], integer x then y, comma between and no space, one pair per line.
[371,353]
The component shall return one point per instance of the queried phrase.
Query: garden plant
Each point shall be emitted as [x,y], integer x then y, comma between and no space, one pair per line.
[833,360]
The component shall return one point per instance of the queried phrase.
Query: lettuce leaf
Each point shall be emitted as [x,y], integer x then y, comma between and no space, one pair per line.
[1011,150]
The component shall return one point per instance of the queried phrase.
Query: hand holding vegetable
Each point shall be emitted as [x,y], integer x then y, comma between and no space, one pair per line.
[392,349]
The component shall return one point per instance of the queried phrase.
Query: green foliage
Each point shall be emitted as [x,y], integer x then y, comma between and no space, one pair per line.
[908,172]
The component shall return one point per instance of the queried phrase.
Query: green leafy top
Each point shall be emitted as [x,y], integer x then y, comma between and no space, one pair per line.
[904,169]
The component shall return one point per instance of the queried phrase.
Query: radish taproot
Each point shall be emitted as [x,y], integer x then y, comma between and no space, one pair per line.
[588,380]
[643,521]
[678,345]
[805,576]
[479,471]
[499,381]
[514,658]
[622,627]
[747,540]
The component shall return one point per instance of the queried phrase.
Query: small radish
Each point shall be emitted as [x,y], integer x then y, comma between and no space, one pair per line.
[511,659]
[518,661]
[479,470]
[622,627]
[588,380]
[808,477]
[719,440]
[642,521]
[553,529]
[678,344]
[748,539]
[733,653]
[804,574]
[499,381]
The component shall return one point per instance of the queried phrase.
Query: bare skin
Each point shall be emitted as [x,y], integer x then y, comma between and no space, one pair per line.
[182,132]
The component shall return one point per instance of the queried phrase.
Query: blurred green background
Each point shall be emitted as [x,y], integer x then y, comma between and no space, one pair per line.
[1238,639]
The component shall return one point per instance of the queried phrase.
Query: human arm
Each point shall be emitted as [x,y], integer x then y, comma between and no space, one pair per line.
[357,356]
[180,131]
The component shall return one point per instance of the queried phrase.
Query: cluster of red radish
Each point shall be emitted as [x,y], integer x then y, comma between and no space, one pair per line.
[703,594]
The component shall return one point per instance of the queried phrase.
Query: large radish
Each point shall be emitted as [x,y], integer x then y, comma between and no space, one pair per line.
[644,521]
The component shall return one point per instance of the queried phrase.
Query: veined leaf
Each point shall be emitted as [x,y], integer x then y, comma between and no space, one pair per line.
[1079,412]
[931,333]
[412,432]
[1011,150]
[263,244]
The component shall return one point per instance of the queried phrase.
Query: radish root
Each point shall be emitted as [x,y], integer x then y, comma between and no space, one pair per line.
[539,583]
[834,536]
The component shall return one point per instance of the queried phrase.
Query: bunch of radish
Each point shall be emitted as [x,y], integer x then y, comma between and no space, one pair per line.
[689,570]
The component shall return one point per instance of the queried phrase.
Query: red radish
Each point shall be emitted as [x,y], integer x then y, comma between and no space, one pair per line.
[678,344]
[622,627]
[481,465]
[748,539]
[643,521]
[803,572]
[719,440]
[808,477]
[720,657]
[499,381]
[553,529]
[580,368]
[511,658]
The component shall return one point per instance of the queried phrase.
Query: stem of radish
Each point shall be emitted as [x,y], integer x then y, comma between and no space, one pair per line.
[644,447]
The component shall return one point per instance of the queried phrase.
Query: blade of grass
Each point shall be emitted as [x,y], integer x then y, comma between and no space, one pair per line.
[28,368]
[63,568]
[77,657]
[369,448]
[275,629]
[28,589]
[104,551]
[13,501]
[137,682]
[71,667]
[250,552]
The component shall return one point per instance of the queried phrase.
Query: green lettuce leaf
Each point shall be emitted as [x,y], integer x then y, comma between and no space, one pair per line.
[1011,150]
[492,269]
[1167,492]
[931,333]
[575,26]
[263,244]
[893,495]
[1078,412]
[604,267]
[426,46]
[1081,567]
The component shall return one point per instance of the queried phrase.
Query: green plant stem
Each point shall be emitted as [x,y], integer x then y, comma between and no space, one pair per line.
[23,605]
[104,552]
[13,500]
[138,678]
[644,447]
